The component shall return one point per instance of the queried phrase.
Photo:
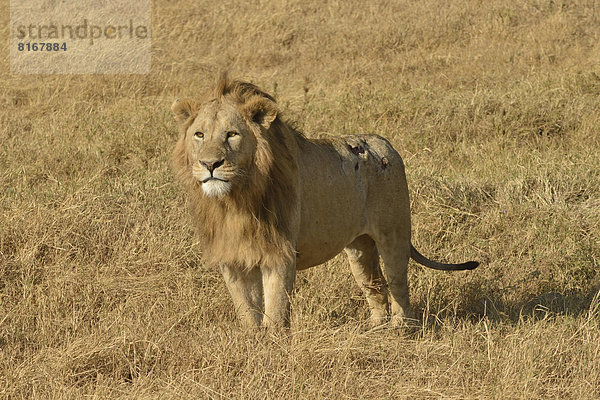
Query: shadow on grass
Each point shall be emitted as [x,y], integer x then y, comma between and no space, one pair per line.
[543,305]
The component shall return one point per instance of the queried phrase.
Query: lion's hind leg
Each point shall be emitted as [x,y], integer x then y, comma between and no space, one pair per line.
[364,263]
[395,254]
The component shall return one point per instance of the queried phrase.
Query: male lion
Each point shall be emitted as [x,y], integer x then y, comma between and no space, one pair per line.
[267,202]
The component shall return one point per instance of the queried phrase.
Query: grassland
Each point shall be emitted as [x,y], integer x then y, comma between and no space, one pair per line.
[494,106]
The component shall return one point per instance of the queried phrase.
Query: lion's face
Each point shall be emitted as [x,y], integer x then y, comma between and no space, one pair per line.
[221,146]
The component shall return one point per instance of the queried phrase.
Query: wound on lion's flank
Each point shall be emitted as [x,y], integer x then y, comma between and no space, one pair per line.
[384,163]
[356,150]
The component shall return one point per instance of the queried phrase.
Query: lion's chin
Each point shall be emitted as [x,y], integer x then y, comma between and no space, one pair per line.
[216,188]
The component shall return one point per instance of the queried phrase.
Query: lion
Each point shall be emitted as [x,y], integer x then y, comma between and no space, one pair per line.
[267,202]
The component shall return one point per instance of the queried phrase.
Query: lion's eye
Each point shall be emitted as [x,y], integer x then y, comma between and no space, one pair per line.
[231,134]
[199,135]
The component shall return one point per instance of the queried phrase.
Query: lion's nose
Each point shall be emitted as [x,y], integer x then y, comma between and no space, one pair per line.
[212,165]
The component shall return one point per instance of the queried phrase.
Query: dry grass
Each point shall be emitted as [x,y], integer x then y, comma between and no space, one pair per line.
[494,106]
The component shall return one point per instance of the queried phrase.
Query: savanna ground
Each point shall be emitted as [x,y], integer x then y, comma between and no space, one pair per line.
[494,107]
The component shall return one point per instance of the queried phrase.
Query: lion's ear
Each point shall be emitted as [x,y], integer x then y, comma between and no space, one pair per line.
[183,109]
[260,110]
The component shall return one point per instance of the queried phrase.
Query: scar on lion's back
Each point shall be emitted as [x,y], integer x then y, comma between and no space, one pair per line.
[363,146]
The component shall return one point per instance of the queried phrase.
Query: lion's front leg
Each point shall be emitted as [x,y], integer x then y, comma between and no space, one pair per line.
[246,289]
[278,283]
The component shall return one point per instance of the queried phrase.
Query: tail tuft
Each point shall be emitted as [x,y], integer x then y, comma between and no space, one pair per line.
[470,265]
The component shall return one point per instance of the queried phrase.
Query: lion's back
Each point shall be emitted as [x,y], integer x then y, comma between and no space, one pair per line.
[360,156]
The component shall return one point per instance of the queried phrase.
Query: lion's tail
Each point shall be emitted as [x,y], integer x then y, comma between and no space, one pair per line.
[421,259]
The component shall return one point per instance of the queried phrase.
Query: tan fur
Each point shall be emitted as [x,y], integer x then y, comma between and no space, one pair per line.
[275,202]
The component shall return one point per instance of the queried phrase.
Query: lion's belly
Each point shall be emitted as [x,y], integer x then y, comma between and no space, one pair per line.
[323,237]
[319,248]
[325,231]
[315,256]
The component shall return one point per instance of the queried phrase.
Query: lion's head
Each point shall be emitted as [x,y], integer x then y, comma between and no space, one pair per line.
[223,139]
[237,159]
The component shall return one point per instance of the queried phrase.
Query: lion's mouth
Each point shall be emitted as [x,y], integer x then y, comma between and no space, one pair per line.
[211,178]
